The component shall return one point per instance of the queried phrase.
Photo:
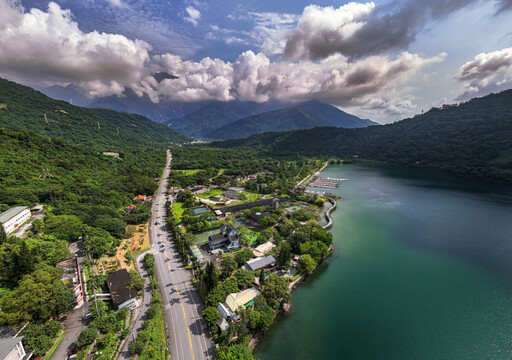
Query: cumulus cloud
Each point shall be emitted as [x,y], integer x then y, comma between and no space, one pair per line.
[193,15]
[360,29]
[487,72]
[271,29]
[50,46]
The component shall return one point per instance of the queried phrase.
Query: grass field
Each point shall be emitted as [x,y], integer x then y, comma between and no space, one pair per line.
[187,172]
[177,210]
[210,193]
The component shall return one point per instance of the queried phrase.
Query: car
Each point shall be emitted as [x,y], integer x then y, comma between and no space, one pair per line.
[87,316]
[73,349]
[71,357]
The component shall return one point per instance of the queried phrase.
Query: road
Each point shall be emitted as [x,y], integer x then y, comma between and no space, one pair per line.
[140,312]
[74,324]
[188,337]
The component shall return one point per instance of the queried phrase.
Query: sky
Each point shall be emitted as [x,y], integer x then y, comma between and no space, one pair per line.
[383,60]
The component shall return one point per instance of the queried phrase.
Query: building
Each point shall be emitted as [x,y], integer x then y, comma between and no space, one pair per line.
[223,311]
[263,248]
[260,263]
[72,277]
[243,298]
[227,238]
[223,324]
[118,283]
[14,217]
[139,198]
[237,190]
[12,349]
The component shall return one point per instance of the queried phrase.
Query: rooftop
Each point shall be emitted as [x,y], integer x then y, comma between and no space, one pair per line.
[7,344]
[117,284]
[8,214]
[261,262]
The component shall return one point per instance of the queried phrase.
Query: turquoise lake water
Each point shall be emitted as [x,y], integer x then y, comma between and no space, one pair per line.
[423,270]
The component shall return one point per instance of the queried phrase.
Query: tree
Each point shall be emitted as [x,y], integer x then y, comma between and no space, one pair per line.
[297,238]
[284,255]
[260,303]
[306,264]
[39,295]
[228,265]
[243,256]
[262,277]
[316,249]
[87,337]
[64,227]
[266,318]
[97,242]
[275,287]
[3,235]
[211,315]
[234,352]
[136,281]
[245,278]
[210,276]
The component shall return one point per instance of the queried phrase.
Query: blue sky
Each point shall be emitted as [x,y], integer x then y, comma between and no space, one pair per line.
[384,60]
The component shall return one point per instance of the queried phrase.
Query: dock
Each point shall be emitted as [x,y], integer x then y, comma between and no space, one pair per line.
[327,183]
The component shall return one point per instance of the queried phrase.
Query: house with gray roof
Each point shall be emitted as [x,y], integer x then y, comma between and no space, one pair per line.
[11,348]
[260,263]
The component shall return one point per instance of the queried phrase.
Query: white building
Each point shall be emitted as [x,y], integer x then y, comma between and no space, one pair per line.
[12,349]
[14,217]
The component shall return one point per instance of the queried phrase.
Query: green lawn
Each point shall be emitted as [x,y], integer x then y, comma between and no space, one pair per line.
[177,210]
[210,193]
[188,172]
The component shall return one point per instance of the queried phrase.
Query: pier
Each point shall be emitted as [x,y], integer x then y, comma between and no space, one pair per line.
[327,183]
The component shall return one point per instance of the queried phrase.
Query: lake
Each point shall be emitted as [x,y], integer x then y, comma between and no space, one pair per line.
[423,270]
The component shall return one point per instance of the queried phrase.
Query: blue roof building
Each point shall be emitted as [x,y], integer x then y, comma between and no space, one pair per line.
[227,238]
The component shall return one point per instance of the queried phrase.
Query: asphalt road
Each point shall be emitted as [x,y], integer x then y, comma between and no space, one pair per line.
[140,312]
[188,337]
[74,324]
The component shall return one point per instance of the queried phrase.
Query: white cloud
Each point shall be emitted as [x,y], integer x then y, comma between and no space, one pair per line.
[49,46]
[487,72]
[194,15]
[271,30]
[117,3]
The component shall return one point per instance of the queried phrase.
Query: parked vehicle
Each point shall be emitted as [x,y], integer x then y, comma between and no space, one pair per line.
[73,349]
[87,316]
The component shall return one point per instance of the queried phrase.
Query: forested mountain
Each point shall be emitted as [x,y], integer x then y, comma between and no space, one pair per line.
[218,114]
[24,108]
[472,138]
[303,116]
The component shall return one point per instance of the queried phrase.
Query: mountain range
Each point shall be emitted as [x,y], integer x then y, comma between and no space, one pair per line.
[306,115]
[24,108]
[471,138]
[218,120]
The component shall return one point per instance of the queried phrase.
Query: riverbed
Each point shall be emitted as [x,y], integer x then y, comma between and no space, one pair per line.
[422,270]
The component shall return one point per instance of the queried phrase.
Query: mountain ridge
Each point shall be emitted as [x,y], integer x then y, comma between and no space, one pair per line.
[306,115]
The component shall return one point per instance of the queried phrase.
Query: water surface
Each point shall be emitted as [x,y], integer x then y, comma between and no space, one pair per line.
[422,271]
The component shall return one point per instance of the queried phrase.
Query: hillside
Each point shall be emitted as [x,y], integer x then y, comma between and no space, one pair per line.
[471,138]
[303,116]
[217,114]
[24,108]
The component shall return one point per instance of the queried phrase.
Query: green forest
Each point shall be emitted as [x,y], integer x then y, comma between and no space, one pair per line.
[24,108]
[471,139]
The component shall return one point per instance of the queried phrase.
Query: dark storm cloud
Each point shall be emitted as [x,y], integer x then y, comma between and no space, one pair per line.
[357,30]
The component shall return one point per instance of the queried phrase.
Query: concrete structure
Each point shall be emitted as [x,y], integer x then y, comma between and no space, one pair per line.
[223,311]
[263,248]
[14,217]
[122,295]
[260,263]
[72,277]
[227,238]
[11,348]
[223,324]
[243,298]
